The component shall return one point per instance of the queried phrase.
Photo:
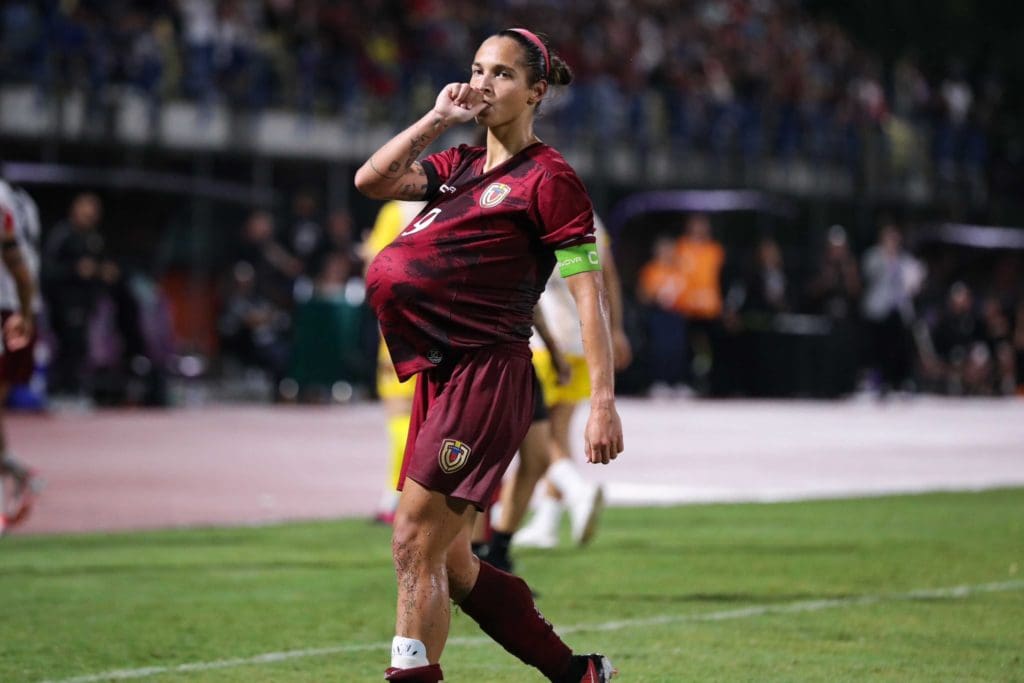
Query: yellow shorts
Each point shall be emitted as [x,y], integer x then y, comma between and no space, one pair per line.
[388,386]
[575,390]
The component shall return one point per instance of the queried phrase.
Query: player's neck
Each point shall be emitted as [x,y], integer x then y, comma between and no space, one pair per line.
[504,142]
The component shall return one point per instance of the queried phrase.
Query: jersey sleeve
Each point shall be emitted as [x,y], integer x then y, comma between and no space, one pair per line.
[564,212]
[439,168]
[566,219]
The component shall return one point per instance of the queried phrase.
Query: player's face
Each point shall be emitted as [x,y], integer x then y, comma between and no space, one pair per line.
[499,71]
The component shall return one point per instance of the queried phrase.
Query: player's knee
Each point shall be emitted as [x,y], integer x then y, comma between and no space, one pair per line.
[411,542]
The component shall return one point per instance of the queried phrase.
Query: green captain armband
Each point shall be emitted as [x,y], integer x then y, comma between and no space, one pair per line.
[577,259]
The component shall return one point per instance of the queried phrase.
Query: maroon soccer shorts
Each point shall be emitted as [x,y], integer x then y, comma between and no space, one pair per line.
[16,366]
[469,416]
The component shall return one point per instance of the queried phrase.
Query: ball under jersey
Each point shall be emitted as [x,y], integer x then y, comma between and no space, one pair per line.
[19,221]
[469,270]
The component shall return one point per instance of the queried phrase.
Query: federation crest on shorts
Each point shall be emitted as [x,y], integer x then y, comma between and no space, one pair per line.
[454,455]
[494,195]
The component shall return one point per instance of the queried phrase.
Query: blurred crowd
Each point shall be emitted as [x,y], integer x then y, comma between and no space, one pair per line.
[884,321]
[756,78]
[747,79]
[714,320]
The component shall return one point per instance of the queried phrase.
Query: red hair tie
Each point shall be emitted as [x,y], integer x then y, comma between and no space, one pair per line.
[532,37]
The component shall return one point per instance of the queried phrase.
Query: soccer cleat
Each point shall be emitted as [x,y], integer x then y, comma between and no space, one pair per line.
[596,668]
[421,674]
[385,517]
[535,536]
[26,488]
[584,512]
[496,560]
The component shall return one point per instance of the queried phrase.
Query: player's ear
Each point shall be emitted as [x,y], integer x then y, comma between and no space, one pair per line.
[537,92]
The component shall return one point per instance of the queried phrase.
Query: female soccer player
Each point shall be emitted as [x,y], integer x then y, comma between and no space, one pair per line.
[455,294]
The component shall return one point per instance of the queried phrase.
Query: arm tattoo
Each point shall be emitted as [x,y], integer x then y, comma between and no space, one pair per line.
[413,191]
[393,168]
[416,147]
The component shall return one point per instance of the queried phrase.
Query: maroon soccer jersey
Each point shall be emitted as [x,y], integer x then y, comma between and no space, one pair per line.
[469,269]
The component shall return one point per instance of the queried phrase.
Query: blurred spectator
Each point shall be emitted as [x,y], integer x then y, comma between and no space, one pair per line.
[21,39]
[332,279]
[253,328]
[765,289]
[274,269]
[834,291]
[755,353]
[74,265]
[965,358]
[81,279]
[835,288]
[892,279]
[339,240]
[660,288]
[997,331]
[305,232]
[700,258]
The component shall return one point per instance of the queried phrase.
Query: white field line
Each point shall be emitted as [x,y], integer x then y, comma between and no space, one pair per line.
[954,592]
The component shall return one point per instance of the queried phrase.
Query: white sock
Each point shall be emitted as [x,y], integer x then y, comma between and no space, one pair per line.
[548,514]
[408,653]
[567,479]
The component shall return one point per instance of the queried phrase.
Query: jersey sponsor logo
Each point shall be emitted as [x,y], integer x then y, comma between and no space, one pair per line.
[494,195]
[453,456]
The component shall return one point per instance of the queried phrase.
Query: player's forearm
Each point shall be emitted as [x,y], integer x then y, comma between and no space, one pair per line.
[389,172]
[589,293]
[26,294]
[22,278]
[613,288]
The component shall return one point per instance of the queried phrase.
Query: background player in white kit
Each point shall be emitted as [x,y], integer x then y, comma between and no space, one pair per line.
[19,235]
[566,487]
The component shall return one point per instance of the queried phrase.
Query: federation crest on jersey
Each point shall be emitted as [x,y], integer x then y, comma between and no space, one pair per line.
[454,455]
[494,195]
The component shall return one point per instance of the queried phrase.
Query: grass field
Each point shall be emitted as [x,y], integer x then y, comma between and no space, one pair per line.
[849,590]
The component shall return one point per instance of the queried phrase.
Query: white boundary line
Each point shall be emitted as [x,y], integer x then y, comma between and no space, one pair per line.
[724,615]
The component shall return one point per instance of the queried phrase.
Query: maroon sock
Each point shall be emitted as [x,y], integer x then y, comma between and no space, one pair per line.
[503,607]
[420,674]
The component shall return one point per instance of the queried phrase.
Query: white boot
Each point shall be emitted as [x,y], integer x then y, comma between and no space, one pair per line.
[584,499]
[542,530]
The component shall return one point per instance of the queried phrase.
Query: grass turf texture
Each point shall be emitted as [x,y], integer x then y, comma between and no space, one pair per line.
[79,605]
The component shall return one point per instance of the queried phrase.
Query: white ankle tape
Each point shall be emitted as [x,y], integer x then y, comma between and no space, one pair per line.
[408,653]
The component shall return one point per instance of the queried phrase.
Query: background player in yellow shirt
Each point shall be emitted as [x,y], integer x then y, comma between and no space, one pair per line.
[396,396]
